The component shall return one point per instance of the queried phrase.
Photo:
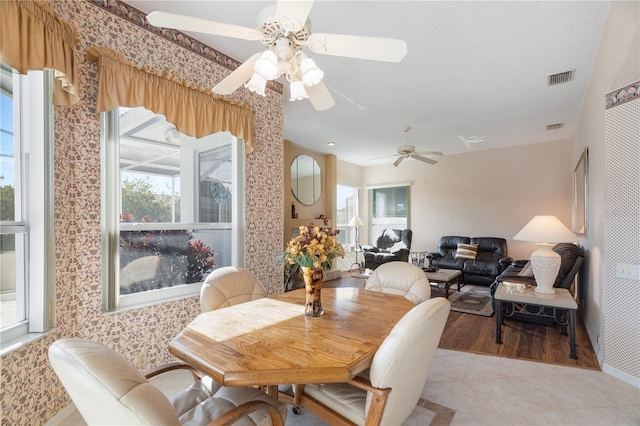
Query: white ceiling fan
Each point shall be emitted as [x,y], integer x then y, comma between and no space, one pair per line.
[284,29]
[409,151]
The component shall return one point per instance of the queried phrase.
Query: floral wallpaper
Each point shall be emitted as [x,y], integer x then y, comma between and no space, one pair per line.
[31,393]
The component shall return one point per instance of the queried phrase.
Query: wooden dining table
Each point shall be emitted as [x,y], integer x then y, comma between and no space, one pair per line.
[270,341]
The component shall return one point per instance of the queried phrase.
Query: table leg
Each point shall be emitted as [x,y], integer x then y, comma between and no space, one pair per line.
[298,390]
[498,321]
[446,289]
[272,391]
[572,334]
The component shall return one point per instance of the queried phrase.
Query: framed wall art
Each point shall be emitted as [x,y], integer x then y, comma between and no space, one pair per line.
[581,195]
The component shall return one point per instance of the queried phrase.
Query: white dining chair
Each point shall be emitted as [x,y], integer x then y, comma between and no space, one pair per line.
[107,389]
[396,379]
[228,286]
[401,278]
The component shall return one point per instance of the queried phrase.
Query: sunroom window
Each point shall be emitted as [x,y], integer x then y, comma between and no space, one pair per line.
[172,207]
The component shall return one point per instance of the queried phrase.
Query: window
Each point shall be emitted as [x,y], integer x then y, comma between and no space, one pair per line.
[26,204]
[347,208]
[347,197]
[389,208]
[172,209]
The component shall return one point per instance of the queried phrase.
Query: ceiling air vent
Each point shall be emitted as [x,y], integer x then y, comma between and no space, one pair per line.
[563,77]
[555,126]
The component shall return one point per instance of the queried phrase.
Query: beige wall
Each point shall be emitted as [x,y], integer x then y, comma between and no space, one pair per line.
[612,59]
[484,194]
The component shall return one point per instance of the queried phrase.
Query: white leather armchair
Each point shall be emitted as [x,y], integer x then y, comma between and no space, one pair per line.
[228,286]
[107,389]
[401,278]
[396,378]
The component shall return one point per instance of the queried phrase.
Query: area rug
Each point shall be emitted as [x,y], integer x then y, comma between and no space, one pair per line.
[472,300]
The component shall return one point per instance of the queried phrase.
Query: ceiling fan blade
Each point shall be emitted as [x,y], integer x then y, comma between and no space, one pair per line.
[424,159]
[320,97]
[189,23]
[373,48]
[431,153]
[237,78]
[398,161]
[382,158]
[296,12]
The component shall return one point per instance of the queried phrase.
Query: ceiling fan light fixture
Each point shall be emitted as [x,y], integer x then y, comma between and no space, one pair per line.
[257,84]
[297,91]
[311,74]
[267,66]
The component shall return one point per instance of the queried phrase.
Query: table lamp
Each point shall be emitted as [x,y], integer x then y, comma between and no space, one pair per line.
[355,222]
[545,231]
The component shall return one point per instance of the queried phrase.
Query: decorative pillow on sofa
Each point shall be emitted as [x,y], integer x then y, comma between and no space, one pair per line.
[466,252]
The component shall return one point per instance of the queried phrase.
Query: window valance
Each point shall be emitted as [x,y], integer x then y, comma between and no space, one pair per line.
[194,110]
[33,38]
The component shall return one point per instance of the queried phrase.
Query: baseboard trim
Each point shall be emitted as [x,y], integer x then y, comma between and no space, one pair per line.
[619,374]
[61,415]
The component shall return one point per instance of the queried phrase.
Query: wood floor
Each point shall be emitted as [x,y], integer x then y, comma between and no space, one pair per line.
[474,333]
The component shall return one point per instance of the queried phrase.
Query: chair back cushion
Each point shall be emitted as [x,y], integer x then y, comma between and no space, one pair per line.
[490,249]
[401,278]
[403,360]
[572,257]
[448,245]
[106,388]
[228,286]
[394,239]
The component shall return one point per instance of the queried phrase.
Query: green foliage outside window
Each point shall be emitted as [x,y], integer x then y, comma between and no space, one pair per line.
[139,200]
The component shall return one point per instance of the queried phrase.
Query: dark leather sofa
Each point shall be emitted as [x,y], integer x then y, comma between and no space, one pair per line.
[571,261]
[391,245]
[491,259]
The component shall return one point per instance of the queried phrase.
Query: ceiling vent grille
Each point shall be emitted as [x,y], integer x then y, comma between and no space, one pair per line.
[563,77]
[555,126]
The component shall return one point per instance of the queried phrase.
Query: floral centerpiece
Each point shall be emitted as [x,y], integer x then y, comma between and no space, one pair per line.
[315,247]
[313,250]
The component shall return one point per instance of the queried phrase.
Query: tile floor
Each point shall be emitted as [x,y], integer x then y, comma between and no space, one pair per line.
[488,390]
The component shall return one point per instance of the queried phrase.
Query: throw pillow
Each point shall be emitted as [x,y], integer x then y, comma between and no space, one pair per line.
[466,252]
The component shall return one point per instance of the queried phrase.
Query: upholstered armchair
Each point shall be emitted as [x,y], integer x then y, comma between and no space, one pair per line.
[390,245]
[228,286]
[389,392]
[401,278]
[107,389]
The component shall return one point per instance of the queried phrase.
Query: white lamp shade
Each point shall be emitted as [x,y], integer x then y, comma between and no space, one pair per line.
[545,229]
[297,91]
[257,84]
[267,66]
[311,74]
[356,221]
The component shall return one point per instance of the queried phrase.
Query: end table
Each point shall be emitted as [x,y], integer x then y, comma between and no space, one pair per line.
[563,306]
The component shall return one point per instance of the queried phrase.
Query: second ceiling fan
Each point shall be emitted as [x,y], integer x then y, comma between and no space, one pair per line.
[284,29]
[409,151]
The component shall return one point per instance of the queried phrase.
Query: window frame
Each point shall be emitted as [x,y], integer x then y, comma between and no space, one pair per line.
[33,130]
[111,208]
[377,223]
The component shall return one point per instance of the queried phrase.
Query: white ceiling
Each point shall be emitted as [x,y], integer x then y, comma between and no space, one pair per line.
[472,69]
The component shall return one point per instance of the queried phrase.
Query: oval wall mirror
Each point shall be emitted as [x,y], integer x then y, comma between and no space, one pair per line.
[305,179]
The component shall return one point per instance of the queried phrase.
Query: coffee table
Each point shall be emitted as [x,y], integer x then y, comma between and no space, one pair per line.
[562,303]
[444,278]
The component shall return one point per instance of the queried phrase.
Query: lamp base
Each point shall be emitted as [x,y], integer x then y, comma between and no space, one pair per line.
[546,264]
